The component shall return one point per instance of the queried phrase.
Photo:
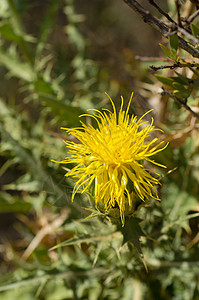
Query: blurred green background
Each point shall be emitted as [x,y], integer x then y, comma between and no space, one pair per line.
[57,59]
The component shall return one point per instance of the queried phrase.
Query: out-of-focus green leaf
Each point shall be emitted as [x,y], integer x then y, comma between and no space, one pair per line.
[9,34]
[9,203]
[47,24]
[177,201]
[24,183]
[41,86]
[195,30]
[34,166]
[89,240]
[173,42]
[181,79]
[22,294]
[196,83]
[16,67]
[75,37]
[63,111]
[179,87]
[183,94]
[178,84]
[165,80]
[167,52]
[4,11]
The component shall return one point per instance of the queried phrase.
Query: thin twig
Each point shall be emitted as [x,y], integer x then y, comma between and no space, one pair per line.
[48,229]
[148,17]
[159,25]
[180,101]
[152,58]
[175,65]
[191,18]
[162,11]
[187,34]
[178,13]
[154,68]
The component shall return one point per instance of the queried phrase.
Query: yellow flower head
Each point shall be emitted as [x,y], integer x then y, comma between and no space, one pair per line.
[109,159]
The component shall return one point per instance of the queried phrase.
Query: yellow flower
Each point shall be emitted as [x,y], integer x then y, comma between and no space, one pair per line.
[109,159]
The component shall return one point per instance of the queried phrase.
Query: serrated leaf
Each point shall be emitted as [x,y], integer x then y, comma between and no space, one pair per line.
[47,24]
[64,111]
[8,33]
[16,67]
[75,37]
[35,168]
[10,203]
[32,186]
[132,232]
[41,86]
[195,30]
[74,241]
[88,239]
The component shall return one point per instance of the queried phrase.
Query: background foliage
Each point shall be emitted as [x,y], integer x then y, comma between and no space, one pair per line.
[57,58]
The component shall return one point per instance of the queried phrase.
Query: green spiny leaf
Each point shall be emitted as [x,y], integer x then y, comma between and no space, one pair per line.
[16,67]
[132,232]
[64,111]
